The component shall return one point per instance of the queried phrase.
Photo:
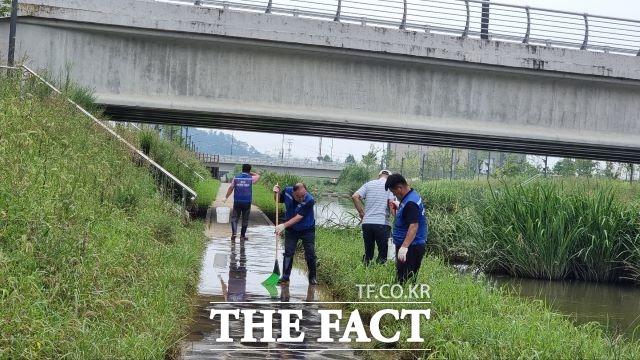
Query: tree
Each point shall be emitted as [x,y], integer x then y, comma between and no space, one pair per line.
[370,159]
[350,159]
[514,165]
[326,158]
[586,167]
[611,170]
[5,8]
[565,167]
[353,176]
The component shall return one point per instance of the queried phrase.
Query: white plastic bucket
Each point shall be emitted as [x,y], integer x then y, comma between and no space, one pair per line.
[222,215]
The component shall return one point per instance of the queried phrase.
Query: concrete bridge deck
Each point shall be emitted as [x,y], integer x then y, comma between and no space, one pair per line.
[250,71]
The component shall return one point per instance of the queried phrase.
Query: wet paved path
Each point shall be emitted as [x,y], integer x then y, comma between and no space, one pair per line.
[232,272]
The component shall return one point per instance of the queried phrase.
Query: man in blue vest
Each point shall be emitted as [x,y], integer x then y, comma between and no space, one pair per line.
[409,228]
[242,189]
[300,224]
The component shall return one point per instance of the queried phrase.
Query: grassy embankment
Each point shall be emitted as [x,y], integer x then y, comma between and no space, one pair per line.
[469,319]
[180,162]
[93,263]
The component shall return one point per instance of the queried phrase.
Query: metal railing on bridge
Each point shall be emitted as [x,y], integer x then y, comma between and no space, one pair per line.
[168,183]
[267,161]
[465,18]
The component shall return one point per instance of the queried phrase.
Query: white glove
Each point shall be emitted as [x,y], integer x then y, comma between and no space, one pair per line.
[402,254]
[276,188]
[279,229]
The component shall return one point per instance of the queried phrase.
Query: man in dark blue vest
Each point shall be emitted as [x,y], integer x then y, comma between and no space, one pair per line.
[300,224]
[242,189]
[409,228]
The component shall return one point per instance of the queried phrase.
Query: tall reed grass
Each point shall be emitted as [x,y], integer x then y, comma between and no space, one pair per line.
[470,319]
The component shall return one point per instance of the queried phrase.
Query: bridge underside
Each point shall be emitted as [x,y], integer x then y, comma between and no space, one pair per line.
[379,133]
[258,72]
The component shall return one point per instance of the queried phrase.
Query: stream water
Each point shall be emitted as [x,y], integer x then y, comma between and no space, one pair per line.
[231,277]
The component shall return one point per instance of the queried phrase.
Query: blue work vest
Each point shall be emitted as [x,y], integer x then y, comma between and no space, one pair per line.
[242,188]
[293,208]
[400,228]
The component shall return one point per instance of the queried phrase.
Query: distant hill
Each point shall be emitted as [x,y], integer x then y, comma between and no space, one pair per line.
[220,143]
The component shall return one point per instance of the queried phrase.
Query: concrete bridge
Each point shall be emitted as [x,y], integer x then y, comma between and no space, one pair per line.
[247,70]
[226,163]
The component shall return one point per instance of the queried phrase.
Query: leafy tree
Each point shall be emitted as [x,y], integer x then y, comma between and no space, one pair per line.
[326,158]
[611,170]
[370,159]
[565,167]
[5,8]
[353,176]
[514,165]
[586,167]
[350,159]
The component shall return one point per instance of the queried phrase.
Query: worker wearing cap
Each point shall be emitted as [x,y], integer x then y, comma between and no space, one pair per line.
[374,216]
[409,228]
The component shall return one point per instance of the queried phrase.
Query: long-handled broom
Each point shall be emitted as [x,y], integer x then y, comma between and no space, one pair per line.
[275,275]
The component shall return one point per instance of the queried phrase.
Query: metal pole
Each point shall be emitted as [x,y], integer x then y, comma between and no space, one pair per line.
[545,165]
[282,150]
[12,32]
[422,168]
[489,165]
[451,167]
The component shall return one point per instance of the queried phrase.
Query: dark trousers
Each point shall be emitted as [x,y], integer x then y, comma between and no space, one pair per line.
[375,234]
[408,270]
[291,238]
[240,209]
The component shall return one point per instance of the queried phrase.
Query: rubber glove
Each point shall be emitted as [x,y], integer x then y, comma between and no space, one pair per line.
[402,254]
[279,229]
[276,188]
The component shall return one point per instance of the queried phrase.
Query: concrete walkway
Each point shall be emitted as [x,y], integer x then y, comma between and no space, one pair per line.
[215,230]
[231,277]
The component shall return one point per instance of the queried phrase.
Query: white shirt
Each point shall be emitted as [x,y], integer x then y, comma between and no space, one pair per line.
[376,205]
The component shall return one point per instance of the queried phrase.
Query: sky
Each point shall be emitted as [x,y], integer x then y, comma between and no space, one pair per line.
[303,146]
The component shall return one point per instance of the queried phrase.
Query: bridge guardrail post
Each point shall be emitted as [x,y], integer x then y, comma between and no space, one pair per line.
[465,33]
[338,9]
[268,11]
[585,42]
[403,24]
[526,36]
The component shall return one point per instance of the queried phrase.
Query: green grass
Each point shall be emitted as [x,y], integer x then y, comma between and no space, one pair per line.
[470,319]
[207,190]
[93,263]
[549,229]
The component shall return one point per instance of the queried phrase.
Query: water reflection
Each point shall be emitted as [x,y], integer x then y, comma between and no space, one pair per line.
[336,212]
[231,279]
[617,307]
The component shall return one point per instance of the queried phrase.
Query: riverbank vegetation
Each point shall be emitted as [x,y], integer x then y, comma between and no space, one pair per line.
[93,262]
[469,318]
[551,229]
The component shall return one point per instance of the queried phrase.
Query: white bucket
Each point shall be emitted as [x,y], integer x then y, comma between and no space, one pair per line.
[222,215]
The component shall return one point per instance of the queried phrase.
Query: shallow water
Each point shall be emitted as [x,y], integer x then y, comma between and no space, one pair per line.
[617,307]
[232,273]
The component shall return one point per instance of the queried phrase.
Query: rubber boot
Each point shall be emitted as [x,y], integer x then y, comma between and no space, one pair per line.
[311,265]
[234,229]
[287,265]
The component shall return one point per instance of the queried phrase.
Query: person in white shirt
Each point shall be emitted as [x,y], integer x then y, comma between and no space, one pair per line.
[374,216]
